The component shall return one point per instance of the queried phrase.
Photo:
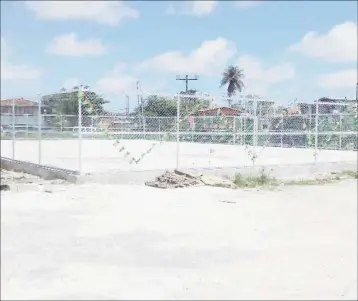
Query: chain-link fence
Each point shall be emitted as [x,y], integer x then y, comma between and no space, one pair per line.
[19,119]
[73,130]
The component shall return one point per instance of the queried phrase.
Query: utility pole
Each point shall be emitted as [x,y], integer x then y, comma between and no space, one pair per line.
[127,106]
[138,93]
[187,79]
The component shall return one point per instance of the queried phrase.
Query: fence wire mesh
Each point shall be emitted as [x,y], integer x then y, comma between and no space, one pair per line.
[190,130]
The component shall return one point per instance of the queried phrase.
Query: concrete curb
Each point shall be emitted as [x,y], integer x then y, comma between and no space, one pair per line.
[42,171]
[282,172]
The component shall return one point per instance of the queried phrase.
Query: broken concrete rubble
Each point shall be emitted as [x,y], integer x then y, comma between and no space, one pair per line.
[18,181]
[216,181]
[180,179]
[174,180]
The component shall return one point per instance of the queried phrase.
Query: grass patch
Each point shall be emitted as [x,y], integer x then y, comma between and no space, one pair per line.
[307,182]
[350,174]
[266,180]
[330,178]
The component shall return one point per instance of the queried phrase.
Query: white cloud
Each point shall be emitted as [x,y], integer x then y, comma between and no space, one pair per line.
[338,45]
[11,71]
[119,68]
[336,80]
[103,12]
[247,4]
[116,82]
[70,45]
[258,79]
[18,72]
[197,8]
[210,57]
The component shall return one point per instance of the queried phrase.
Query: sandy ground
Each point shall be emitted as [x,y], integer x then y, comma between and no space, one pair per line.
[134,242]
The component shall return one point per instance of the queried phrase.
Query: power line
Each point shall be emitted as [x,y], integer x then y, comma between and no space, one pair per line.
[187,79]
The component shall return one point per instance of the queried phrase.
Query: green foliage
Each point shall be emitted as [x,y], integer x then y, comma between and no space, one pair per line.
[232,77]
[160,106]
[263,179]
[157,106]
[66,103]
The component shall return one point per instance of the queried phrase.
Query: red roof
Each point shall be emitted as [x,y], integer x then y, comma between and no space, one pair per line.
[19,102]
[225,111]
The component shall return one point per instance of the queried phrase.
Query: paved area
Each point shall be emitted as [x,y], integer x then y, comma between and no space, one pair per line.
[100,156]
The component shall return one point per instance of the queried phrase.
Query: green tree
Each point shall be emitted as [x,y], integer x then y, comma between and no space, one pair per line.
[160,106]
[232,77]
[66,103]
[156,106]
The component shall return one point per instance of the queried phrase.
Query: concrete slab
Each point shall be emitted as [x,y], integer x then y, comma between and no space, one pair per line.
[100,156]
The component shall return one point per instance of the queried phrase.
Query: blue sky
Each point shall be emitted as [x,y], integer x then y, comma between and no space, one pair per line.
[288,50]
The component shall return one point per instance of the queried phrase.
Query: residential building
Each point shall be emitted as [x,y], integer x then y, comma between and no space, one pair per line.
[337,106]
[219,111]
[26,111]
[22,106]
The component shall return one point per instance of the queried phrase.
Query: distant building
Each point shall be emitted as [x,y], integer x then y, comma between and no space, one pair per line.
[219,111]
[216,123]
[335,107]
[22,106]
[327,106]
[26,111]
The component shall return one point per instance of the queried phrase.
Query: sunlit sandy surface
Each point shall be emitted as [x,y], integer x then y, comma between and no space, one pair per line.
[128,242]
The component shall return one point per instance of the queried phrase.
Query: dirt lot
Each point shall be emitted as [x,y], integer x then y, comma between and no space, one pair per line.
[138,242]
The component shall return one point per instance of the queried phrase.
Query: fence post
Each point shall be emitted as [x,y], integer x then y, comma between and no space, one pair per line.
[234,129]
[282,129]
[178,132]
[39,131]
[242,129]
[13,128]
[340,130]
[254,141]
[27,125]
[79,96]
[316,135]
[254,136]
[143,118]
[159,128]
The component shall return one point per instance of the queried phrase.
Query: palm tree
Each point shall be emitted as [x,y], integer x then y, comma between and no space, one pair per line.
[232,77]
